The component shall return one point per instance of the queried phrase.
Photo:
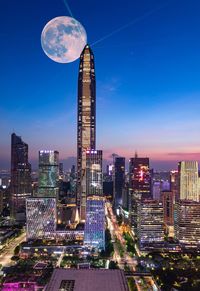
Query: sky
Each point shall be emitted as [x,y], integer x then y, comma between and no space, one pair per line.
[147,74]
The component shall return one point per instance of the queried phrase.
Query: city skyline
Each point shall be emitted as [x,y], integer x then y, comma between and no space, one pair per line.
[150,71]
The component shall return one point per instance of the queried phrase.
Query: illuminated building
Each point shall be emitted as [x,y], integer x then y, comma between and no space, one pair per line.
[156,189]
[139,176]
[61,173]
[119,180]
[94,235]
[174,184]
[168,207]
[41,210]
[86,132]
[41,217]
[187,228]
[20,177]
[150,223]
[48,174]
[94,181]
[134,204]
[95,205]
[8,286]
[188,180]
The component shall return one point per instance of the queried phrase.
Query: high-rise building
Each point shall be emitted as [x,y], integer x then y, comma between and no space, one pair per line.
[150,224]
[134,204]
[188,180]
[41,217]
[139,176]
[41,210]
[187,224]
[94,236]
[94,179]
[86,134]
[48,174]
[169,209]
[61,172]
[174,184]
[20,177]
[119,180]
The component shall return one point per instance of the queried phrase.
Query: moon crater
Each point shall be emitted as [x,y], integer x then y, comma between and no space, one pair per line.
[63,39]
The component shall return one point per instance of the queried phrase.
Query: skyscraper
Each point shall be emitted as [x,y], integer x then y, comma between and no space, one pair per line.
[41,210]
[48,174]
[187,224]
[95,206]
[119,180]
[150,223]
[94,181]
[188,180]
[86,131]
[20,177]
[139,176]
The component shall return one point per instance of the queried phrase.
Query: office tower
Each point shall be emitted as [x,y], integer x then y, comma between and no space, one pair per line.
[61,172]
[73,172]
[94,179]
[168,207]
[156,189]
[150,224]
[110,171]
[134,203]
[41,217]
[48,174]
[20,177]
[139,176]
[125,196]
[188,180]
[119,180]
[187,224]
[41,210]
[86,134]
[94,235]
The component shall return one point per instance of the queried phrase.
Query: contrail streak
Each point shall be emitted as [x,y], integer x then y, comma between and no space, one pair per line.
[128,24]
[68,8]
[70,12]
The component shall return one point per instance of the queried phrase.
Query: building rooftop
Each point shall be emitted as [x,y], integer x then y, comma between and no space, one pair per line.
[88,280]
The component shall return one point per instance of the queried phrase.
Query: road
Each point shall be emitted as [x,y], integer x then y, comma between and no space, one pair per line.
[142,283]
[116,233]
[8,251]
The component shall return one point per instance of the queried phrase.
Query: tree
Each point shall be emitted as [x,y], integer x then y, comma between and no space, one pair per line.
[16,250]
[113,265]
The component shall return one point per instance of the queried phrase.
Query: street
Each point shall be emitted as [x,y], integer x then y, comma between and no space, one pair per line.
[143,283]
[8,251]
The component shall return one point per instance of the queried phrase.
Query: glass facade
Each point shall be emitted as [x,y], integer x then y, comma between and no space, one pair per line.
[189,180]
[48,174]
[150,221]
[41,217]
[94,182]
[139,176]
[86,131]
[41,210]
[187,223]
[94,234]
[20,177]
[119,180]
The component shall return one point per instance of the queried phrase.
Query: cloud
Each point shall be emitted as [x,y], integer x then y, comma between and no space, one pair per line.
[181,154]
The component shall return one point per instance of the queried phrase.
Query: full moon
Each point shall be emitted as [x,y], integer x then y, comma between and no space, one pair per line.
[63,39]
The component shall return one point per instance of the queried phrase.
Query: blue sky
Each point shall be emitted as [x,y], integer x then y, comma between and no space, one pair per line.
[148,79]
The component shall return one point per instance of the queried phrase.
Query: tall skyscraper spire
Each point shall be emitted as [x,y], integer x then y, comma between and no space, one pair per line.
[86,132]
